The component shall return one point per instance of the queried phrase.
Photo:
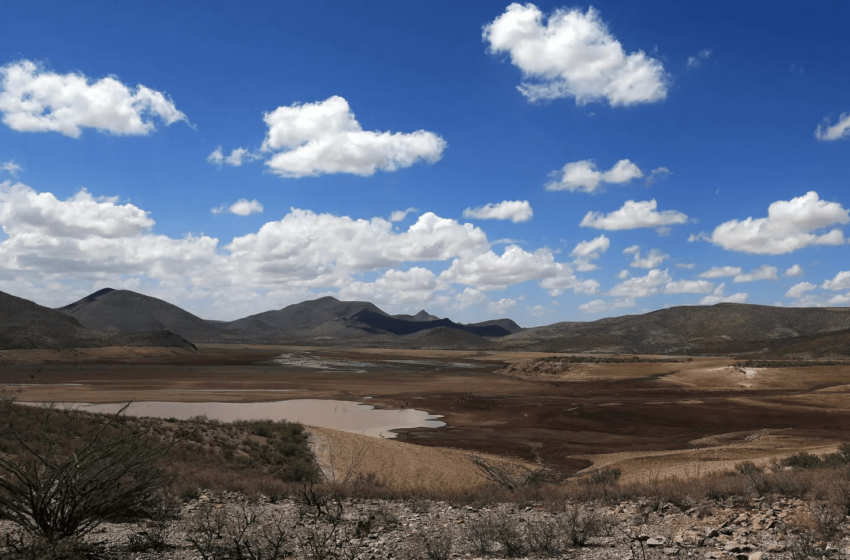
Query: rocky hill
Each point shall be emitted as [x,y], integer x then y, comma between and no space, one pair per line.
[27,325]
[398,326]
[354,321]
[421,316]
[302,316]
[124,311]
[721,328]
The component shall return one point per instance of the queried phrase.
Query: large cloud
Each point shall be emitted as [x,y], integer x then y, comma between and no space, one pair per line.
[642,286]
[304,244]
[34,100]
[86,237]
[397,287]
[573,55]
[89,241]
[836,131]
[790,225]
[513,210]
[489,271]
[632,215]
[312,139]
[24,211]
[582,176]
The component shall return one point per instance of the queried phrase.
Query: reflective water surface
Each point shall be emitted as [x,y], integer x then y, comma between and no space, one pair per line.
[340,415]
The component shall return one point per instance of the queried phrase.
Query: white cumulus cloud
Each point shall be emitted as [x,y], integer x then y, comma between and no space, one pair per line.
[308,245]
[513,210]
[652,260]
[502,306]
[78,244]
[790,225]
[764,272]
[312,139]
[241,207]
[34,100]
[399,215]
[841,281]
[573,55]
[600,305]
[632,215]
[25,212]
[469,297]
[587,251]
[86,237]
[583,176]
[689,287]
[718,296]
[797,290]
[721,271]
[837,131]
[235,158]
[642,286]
[489,271]
[396,287]
[795,270]
[11,167]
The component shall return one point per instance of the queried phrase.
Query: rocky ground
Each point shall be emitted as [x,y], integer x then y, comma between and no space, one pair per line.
[230,526]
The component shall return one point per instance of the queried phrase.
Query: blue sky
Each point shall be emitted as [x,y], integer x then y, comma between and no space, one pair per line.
[560,162]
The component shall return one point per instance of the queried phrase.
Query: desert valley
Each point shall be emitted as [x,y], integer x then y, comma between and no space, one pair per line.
[431,280]
[666,396]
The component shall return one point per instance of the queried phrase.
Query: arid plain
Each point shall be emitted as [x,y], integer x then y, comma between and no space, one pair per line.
[650,416]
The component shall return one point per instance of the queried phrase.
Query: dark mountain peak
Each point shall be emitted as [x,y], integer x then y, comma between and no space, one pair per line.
[399,326]
[424,316]
[97,294]
[325,299]
[506,324]
[305,315]
[25,324]
[125,311]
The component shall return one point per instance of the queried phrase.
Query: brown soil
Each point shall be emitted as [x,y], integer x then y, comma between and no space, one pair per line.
[572,419]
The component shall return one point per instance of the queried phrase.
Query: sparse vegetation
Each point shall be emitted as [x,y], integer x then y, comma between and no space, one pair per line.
[337,523]
[586,359]
[788,363]
[508,473]
[57,487]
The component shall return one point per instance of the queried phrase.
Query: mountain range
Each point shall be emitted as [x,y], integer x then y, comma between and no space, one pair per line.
[112,316]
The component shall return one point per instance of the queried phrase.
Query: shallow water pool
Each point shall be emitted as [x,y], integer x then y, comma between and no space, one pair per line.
[348,416]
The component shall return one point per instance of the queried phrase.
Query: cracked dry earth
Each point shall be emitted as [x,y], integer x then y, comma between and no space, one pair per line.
[759,529]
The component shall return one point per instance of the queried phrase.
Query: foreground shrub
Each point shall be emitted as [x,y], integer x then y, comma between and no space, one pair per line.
[58,493]
[510,474]
[244,532]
